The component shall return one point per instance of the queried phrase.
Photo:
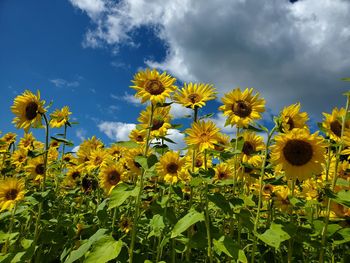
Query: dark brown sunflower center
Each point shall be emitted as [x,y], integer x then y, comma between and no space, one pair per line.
[157,124]
[290,122]
[336,128]
[242,108]
[221,175]
[193,97]
[172,168]
[268,189]
[198,163]
[136,163]
[75,175]
[11,194]
[113,177]
[66,158]
[248,170]
[297,152]
[154,87]
[248,148]
[39,169]
[31,110]
[139,138]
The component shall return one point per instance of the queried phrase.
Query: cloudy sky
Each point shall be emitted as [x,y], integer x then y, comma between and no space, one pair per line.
[84,53]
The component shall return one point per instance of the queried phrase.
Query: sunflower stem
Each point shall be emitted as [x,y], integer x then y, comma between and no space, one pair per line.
[235,161]
[290,241]
[138,198]
[114,218]
[262,173]
[12,222]
[334,181]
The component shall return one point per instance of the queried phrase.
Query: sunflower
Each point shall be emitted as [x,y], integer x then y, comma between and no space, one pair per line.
[202,135]
[133,167]
[28,109]
[96,159]
[138,136]
[73,176]
[300,153]
[35,168]
[333,123]
[11,191]
[19,158]
[169,166]
[160,121]
[195,95]
[242,107]
[253,143]
[222,142]
[27,141]
[223,171]
[291,117]
[125,224]
[116,151]
[9,138]
[60,117]
[281,199]
[86,147]
[110,175]
[198,160]
[153,86]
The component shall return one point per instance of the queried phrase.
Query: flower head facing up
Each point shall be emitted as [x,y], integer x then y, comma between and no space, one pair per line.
[169,167]
[202,135]
[60,117]
[291,118]
[28,109]
[241,108]
[300,153]
[195,95]
[11,191]
[152,86]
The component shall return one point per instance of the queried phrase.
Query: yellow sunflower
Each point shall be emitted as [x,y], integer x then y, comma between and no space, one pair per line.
[125,224]
[96,159]
[116,151]
[132,165]
[253,144]
[9,138]
[138,136]
[291,117]
[333,123]
[161,120]
[60,117]
[198,160]
[223,171]
[299,153]
[222,142]
[242,107]
[110,175]
[19,158]
[169,167]
[35,168]
[202,135]
[11,191]
[27,141]
[152,86]
[281,198]
[73,176]
[195,95]
[28,109]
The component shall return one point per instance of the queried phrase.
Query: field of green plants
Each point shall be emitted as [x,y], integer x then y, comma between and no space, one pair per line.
[269,194]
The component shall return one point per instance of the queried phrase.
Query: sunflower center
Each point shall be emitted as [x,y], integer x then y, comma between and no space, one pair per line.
[139,138]
[154,87]
[75,175]
[113,177]
[290,122]
[193,97]
[242,108]
[39,169]
[11,194]
[157,124]
[198,163]
[248,148]
[297,152]
[248,170]
[336,128]
[268,189]
[172,168]
[221,175]
[31,110]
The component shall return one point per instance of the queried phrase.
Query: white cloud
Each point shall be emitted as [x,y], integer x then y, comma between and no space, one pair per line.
[62,83]
[81,134]
[118,131]
[127,98]
[219,119]
[289,52]
[178,137]
[178,111]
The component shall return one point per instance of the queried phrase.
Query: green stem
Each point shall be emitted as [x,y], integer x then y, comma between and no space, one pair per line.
[290,241]
[261,180]
[12,221]
[334,181]
[235,161]
[114,218]
[138,198]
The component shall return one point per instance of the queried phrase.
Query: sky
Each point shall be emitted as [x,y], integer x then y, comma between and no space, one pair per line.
[84,54]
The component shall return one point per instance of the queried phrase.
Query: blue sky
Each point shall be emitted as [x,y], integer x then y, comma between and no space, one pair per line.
[83,53]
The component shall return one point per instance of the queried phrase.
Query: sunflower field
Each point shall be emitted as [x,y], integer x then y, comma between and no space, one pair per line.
[269,194]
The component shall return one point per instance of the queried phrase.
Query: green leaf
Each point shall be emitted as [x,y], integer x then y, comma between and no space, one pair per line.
[176,126]
[165,104]
[342,197]
[221,202]
[227,246]
[78,253]
[274,236]
[206,116]
[346,79]
[184,223]
[104,250]
[157,225]
[120,193]
[7,236]
[65,141]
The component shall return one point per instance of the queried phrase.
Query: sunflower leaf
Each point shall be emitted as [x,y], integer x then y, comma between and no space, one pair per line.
[120,193]
[184,223]
[104,250]
[274,236]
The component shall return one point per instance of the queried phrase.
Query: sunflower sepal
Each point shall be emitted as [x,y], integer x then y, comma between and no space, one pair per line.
[206,116]
[164,104]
